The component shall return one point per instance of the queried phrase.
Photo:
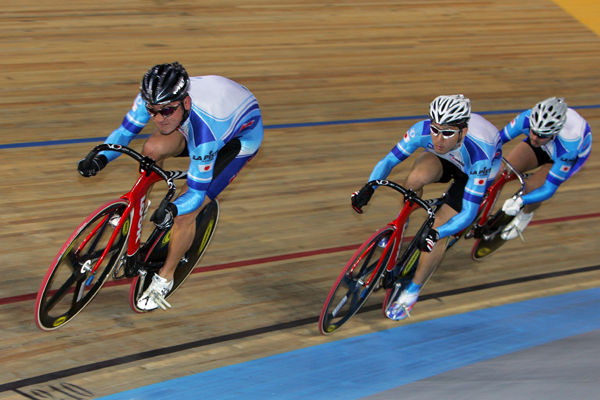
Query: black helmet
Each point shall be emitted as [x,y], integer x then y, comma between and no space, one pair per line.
[165,83]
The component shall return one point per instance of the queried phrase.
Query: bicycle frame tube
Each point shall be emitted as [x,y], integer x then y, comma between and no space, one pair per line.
[398,225]
[136,198]
[492,193]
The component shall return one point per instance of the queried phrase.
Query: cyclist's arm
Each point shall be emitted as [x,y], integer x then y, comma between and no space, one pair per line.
[559,173]
[132,124]
[519,125]
[199,178]
[403,149]
[472,198]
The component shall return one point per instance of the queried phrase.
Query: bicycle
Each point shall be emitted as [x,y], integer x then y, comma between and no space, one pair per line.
[109,243]
[380,263]
[376,263]
[486,231]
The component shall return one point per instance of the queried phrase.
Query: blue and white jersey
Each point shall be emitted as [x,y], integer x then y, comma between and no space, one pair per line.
[479,157]
[568,150]
[221,111]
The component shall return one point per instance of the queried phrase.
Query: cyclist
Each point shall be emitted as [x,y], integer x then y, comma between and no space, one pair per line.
[459,145]
[213,120]
[559,141]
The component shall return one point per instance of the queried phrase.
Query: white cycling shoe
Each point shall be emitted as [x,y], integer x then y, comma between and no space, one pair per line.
[517,226]
[154,296]
[399,309]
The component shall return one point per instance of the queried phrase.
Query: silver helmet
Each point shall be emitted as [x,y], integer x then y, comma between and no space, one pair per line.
[452,110]
[548,117]
[165,83]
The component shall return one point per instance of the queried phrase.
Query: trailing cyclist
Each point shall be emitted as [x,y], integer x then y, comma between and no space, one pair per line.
[559,141]
[459,146]
[213,120]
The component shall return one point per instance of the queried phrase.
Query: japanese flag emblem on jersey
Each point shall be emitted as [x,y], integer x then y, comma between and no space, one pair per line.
[565,168]
[513,122]
[479,181]
[204,168]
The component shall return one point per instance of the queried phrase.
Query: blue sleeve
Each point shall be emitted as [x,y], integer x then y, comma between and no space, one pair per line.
[132,124]
[559,173]
[403,149]
[519,125]
[542,193]
[461,220]
[189,201]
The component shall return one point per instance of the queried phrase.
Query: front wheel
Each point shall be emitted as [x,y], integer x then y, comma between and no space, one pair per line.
[70,284]
[361,275]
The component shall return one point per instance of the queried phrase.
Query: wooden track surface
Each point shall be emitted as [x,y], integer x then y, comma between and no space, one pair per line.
[70,71]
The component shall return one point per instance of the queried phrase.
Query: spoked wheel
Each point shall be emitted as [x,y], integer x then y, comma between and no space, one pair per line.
[361,275]
[490,239]
[206,222]
[69,284]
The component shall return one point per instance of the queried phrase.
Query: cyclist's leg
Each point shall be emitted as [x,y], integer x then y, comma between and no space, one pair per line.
[525,157]
[428,262]
[227,165]
[426,169]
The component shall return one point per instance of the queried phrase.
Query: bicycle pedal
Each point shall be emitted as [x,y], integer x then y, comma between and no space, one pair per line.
[160,301]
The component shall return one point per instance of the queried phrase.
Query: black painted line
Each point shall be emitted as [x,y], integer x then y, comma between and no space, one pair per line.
[36,380]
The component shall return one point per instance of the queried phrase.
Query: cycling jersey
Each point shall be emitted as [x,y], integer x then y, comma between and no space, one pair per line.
[221,110]
[568,150]
[478,156]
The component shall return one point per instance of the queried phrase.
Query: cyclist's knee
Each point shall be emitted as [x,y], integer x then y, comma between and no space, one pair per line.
[415,184]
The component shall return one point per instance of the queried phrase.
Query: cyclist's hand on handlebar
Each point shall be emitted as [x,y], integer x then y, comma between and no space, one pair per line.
[92,167]
[163,217]
[361,197]
[428,240]
[513,205]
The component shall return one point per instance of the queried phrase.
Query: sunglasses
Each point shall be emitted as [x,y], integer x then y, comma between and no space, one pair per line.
[446,133]
[165,111]
[541,136]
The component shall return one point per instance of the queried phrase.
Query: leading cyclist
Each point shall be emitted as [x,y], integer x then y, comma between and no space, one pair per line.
[458,145]
[211,119]
[559,141]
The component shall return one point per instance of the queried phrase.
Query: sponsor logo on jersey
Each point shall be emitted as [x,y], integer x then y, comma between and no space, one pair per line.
[569,160]
[459,161]
[206,158]
[482,171]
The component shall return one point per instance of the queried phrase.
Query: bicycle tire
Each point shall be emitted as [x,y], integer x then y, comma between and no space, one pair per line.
[67,286]
[206,223]
[407,266]
[484,247]
[351,290]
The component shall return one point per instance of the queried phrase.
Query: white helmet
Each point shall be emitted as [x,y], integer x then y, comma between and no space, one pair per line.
[548,117]
[452,110]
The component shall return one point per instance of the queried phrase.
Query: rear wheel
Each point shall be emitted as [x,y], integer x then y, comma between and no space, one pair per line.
[489,237]
[69,284]
[206,223]
[361,275]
